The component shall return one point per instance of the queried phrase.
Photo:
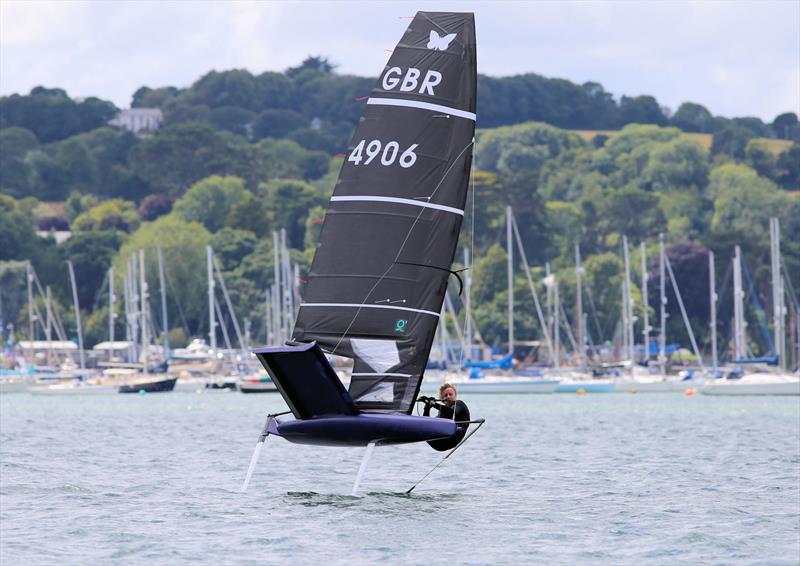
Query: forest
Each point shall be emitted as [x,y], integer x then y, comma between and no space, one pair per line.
[241,155]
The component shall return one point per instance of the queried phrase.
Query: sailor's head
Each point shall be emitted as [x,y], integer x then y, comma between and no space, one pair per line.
[447,392]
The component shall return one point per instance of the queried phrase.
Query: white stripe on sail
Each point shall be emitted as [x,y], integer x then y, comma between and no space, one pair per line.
[364,306]
[361,374]
[398,200]
[423,105]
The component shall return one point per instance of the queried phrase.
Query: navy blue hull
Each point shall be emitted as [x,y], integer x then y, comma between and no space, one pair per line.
[361,429]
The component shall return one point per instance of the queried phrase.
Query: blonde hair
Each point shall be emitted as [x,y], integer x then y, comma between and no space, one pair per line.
[446,386]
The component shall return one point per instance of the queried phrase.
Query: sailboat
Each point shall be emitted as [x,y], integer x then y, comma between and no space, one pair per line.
[762,382]
[380,272]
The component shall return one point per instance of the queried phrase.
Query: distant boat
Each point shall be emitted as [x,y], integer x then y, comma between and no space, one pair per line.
[758,383]
[257,384]
[149,385]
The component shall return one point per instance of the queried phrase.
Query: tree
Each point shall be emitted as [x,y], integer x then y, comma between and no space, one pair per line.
[178,156]
[786,126]
[731,140]
[250,214]
[759,157]
[91,254]
[155,205]
[641,110]
[231,246]
[210,201]
[15,172]
[288,201]
[277,123]
[146,97]
[788,167]
[114,214]
[691,117]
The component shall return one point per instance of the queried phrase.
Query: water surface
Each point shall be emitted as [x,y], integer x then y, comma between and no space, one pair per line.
[557,479]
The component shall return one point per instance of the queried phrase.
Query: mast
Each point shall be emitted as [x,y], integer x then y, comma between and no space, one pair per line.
[532,287]
[628,303]
[144,312]
[712,288]
[738,305]
[468,305]
[48,329]
[276,293]
[556,322]
[111,307]
[777,292]
[212,324]
[77,312]
[510,250]
[31,319]
[662,339]
[686,323]
[645,314]
[581,350]
[161,281]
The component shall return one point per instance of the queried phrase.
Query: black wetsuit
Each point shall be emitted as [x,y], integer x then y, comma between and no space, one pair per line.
[446,412]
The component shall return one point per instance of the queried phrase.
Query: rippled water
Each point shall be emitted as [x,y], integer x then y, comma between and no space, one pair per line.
[613,479]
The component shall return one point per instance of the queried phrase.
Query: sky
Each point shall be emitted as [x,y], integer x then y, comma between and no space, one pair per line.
[737,58]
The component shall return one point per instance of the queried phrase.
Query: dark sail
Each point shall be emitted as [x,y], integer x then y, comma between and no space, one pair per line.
[381,268]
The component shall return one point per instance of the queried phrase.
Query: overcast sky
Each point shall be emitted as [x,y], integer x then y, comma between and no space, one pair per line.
[736,58]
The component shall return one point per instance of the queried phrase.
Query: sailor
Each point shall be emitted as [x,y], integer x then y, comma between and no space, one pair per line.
[447,404]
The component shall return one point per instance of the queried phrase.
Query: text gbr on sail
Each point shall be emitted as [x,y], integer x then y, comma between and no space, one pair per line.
[410,81]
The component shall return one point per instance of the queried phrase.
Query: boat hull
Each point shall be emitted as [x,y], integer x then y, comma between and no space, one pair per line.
[363,429]
[160,386]
[732,389]
[507,385]
[585,386]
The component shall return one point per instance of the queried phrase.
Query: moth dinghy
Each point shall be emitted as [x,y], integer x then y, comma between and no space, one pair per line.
[380,272]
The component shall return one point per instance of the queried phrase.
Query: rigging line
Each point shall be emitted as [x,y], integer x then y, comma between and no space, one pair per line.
[177,302]
[405,240]
[476,429]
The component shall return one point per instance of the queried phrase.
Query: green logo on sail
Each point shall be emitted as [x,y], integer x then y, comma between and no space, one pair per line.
[400,325]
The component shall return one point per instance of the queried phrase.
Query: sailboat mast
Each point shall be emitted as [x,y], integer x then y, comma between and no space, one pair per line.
[510,249]
[628,302]
[581,350]
[48,329]
[111,306]
[556,322]
[276,293]
[468,306]
[144,312]
[645,314]
[738,296]
[777,292]
[161,281]
[712,289]
[212,330]
[77,312]
[662,339]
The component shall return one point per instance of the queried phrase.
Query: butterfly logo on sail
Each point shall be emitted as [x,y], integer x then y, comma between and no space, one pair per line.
[438,42]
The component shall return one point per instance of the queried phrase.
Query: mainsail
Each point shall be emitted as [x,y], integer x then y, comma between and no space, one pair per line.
[387,243]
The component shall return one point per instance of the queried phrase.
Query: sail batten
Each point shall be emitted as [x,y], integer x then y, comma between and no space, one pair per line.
[395,214]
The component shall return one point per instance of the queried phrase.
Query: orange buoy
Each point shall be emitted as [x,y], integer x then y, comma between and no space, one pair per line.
[581,391]
[689,392]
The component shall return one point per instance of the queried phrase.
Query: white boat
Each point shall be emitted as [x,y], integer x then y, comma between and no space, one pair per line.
[759,383]
[73,388]
[18,383]
[504,384]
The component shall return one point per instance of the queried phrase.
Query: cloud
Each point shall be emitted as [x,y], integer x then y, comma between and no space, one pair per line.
[736,58]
